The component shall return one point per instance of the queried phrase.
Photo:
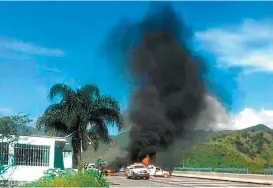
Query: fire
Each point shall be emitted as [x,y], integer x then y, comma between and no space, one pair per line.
[146,161]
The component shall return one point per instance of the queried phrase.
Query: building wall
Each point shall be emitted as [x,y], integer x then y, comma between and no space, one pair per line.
[29,173]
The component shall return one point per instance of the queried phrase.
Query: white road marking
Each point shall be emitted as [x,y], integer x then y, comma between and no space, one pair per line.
[176,182]
[194,182]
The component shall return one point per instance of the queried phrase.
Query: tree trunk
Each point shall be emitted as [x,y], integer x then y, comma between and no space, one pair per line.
[76,144]
[80,162]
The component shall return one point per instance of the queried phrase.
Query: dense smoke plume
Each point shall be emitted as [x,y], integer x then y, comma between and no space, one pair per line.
[169,88]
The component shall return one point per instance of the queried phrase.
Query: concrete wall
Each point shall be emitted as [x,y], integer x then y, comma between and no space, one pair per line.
[29,173]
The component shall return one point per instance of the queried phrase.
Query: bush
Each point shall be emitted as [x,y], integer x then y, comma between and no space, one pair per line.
[71,180]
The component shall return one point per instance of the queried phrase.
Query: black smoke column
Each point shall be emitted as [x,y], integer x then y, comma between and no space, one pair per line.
[169,91]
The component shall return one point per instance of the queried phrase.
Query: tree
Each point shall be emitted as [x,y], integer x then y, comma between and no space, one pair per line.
[10,128]
[84,113]
[13,126]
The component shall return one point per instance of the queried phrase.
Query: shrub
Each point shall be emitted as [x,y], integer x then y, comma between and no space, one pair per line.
[76,180]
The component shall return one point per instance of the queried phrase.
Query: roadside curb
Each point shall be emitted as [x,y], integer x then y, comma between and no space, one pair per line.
[261,182]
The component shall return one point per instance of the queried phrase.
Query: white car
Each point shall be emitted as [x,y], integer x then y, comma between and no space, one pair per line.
[91,165]
[156,171]
[137,171]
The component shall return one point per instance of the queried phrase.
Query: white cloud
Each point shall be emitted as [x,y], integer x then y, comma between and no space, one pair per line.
[52,69]
[5,111]
[216,117]
[249,44]
[249,117]
[49,69]
[13,49]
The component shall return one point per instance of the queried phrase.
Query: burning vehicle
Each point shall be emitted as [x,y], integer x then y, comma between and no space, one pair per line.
[137,171]
[144,170]
[156,171]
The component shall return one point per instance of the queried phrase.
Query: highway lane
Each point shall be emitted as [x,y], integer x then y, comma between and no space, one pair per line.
[119,181]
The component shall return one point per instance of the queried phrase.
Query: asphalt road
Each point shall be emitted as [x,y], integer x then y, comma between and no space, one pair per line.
[119,181]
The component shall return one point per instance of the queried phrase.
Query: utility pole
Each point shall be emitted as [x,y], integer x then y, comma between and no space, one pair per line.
[81,150]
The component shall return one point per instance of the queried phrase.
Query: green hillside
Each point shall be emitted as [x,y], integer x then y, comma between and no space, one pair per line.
[250,148]
[245,149]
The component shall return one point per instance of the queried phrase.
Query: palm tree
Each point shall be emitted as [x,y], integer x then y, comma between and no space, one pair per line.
[84,113]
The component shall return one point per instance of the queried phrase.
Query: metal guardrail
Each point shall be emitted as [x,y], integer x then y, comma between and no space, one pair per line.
[268,171]
[232,170]
[193,169]
[220,170]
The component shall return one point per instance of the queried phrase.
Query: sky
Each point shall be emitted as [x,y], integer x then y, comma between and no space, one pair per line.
[43,43]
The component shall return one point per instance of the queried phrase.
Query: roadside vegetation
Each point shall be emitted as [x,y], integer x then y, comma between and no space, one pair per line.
[88,178]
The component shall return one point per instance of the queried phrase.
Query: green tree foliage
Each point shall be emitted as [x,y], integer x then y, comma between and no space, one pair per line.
[84,113]
[14,125]
[10,128]
[244,135]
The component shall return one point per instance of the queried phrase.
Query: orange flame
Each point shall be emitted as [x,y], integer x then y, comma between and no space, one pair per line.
[146,161]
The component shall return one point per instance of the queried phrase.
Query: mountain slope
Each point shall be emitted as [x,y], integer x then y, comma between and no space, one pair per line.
[248,148]
[259,127]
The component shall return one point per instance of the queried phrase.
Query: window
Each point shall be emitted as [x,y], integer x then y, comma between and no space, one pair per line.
[31,155]
[4,153]
[157,169]
[139,166]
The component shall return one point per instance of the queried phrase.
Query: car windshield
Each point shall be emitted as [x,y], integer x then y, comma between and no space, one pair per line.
[139,167]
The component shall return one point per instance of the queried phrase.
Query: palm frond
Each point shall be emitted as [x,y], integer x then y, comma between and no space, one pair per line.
[98,133]
[93,139]
[99,128]
[56,118]
[89,91]
[63,90]
[106,108]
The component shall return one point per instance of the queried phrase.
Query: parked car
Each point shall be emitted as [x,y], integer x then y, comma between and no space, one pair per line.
[137,171]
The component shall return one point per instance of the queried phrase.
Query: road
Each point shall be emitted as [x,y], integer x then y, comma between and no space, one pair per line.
[119,181]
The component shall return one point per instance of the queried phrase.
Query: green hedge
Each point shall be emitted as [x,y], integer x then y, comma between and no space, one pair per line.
[220,170]
[193,169]
[83,179]
[268,171]
[232,170]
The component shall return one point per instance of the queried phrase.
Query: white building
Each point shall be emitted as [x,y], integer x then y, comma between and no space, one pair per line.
[26,158]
